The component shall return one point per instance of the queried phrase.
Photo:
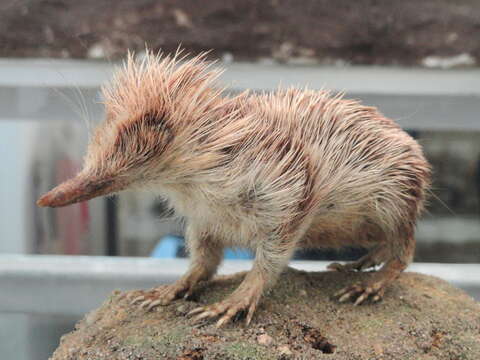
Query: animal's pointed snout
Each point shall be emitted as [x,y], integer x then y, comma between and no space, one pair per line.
[80,188]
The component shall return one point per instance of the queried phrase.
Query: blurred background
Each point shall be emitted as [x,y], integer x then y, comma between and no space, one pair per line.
[416,61]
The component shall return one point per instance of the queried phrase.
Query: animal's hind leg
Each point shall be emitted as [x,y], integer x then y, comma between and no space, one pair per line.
[374,287]
[375,257]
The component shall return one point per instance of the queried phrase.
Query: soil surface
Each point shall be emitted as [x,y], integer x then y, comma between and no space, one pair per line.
[420,318]
[310,31]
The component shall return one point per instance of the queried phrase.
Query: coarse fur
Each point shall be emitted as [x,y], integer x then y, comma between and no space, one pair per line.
[273,172]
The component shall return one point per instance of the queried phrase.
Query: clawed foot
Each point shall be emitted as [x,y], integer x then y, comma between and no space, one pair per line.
[374,258]
[163,295]
[359,293]
[365,263]
[348,267]
[229,308]
[372,289]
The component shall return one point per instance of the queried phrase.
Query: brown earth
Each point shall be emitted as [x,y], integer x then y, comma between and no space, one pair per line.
[309,31]
[420,318]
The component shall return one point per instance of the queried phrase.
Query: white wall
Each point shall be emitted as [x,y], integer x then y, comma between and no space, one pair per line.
[15,149]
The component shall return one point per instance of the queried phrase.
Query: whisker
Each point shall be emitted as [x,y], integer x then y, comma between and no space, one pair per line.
[81,106]
[75,106]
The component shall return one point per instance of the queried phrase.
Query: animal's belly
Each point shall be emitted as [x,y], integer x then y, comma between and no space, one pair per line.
[231,231]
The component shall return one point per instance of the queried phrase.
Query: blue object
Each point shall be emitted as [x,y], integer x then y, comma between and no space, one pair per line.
[168,247]
[237,254]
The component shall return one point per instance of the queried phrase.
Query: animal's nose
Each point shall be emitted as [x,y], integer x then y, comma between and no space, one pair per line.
[75,190]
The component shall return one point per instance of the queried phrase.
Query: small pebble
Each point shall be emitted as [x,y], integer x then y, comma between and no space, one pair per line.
[285,350]
[96,51]
[264,339]
[227,58]
[182,309]
[378,349]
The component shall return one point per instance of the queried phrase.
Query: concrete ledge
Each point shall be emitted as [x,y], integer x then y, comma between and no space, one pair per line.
[73,285]
[420,99]
[351,79]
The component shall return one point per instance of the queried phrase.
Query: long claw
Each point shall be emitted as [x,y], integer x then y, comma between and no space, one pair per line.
[162,295]
[145,303]
[225,319]
[154,304]
[203,315]
[341,292]
[137,299]
[226,310]
[379,295]
[361,293]
[251,311]
[344,268]
[345,297]
[196,311]
[360,299]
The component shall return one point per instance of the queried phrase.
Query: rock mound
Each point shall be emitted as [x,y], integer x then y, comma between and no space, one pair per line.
[421,317]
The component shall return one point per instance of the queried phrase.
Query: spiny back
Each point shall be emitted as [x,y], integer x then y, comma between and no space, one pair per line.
[316,147]
[358,158]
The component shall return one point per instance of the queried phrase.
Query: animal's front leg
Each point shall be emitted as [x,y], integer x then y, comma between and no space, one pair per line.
[206,254]
[271,258]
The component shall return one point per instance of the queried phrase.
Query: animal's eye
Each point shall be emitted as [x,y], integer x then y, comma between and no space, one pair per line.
[155,121]
[148,133]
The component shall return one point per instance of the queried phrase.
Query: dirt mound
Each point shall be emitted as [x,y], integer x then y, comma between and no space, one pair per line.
[421,317]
